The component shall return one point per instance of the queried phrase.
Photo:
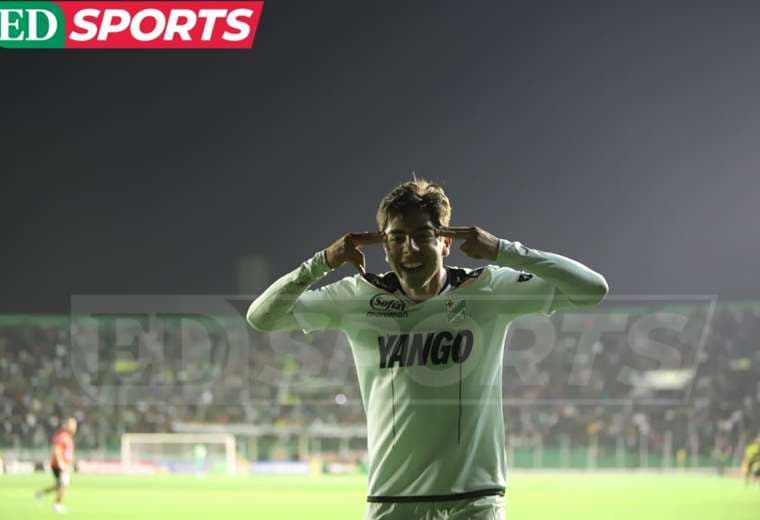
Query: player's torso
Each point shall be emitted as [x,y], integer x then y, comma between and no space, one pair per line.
[389,331]
[428,372]
[65,442]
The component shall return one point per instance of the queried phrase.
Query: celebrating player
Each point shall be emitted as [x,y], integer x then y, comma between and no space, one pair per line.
[428,342]
[61,462]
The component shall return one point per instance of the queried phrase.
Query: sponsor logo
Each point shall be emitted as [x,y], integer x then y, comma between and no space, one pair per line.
[129,25]
[436,348]
[524,277]
[387,305]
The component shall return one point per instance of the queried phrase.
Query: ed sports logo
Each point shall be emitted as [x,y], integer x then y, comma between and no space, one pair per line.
[129,25]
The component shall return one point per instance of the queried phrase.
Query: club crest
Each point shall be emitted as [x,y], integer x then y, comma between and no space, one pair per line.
[456,309]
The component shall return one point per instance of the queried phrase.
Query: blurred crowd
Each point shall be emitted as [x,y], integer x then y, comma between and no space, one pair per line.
[705,396]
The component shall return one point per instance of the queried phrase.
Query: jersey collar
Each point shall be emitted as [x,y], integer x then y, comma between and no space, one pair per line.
[389,282]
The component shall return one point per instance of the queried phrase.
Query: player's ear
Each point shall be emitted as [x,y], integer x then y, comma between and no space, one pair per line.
[446,250]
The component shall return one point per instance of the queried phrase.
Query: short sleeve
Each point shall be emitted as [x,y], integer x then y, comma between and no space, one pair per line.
[324,308]
[523,292]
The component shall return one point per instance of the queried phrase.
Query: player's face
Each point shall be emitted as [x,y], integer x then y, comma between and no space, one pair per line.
[413,248]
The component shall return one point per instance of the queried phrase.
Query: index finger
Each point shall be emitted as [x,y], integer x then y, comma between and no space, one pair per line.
[457,231]
[365,239]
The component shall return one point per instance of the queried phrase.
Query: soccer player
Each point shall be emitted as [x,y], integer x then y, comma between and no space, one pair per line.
[428,341]
[61,462]
[751,462]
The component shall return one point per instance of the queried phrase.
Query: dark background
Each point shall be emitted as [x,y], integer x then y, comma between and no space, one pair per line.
[623,134]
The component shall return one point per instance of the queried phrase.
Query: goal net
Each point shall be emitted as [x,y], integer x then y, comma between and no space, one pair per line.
[197,453]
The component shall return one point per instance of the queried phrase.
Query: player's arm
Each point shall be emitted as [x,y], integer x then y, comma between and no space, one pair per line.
[576,284]
[273,309]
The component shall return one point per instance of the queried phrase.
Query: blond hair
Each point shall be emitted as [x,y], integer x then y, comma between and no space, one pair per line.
[415,194]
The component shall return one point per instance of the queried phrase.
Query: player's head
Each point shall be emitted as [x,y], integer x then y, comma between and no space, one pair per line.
[70,425]
[410,216]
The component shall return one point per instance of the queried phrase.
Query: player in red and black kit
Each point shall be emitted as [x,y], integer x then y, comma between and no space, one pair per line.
[61,462]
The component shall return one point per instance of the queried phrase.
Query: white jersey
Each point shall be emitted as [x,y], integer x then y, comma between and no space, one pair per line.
[429,373]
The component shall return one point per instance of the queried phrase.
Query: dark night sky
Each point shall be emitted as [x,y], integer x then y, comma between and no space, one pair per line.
[623,134]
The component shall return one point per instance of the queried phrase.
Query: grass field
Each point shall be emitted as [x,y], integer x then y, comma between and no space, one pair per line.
[531,496]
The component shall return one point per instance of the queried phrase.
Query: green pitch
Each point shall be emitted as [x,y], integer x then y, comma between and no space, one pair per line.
[569,496]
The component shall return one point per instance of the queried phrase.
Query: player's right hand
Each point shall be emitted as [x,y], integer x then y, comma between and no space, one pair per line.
[348,249]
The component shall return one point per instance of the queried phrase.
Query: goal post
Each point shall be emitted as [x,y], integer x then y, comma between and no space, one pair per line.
[189,451]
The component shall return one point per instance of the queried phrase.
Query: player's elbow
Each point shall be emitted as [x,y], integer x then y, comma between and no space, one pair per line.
[598,291]
[593,294]
[256,318]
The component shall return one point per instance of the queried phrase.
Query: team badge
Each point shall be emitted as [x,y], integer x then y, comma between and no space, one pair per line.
[456,309]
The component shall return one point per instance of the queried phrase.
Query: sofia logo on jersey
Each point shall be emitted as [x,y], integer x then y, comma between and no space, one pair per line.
[384,302]
[129,25]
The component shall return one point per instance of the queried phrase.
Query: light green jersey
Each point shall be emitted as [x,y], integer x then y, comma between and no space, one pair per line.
[429,373]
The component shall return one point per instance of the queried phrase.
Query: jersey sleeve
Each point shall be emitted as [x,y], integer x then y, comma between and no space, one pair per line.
[555,280]
[324,308]
[288,304]
[522,292]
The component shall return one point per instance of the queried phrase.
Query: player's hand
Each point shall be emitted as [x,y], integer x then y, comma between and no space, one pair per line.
[348,249]
[478,243]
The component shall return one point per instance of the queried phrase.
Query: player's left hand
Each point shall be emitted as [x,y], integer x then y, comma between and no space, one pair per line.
[478,243]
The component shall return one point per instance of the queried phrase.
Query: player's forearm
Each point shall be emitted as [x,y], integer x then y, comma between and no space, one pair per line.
[580,284]
[272,309]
